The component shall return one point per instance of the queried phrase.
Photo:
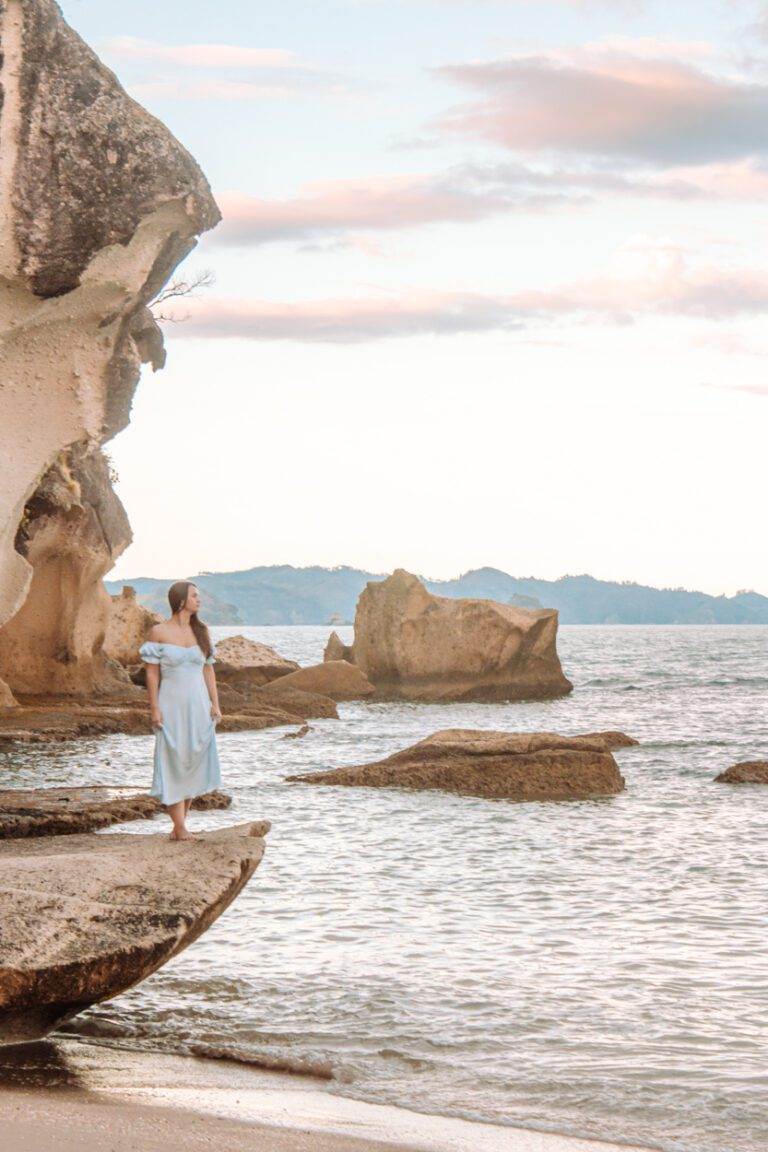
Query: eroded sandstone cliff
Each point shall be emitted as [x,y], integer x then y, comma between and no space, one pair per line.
[98,204]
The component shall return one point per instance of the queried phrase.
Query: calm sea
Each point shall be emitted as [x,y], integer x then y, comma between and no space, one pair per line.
[596,968]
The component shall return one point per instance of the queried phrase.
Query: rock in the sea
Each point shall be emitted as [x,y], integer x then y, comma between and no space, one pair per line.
[336,649]
[303,731]
[612,740]
[747,772]
[66,811]
[335,679]
[128,627]
[246,663]
[83,918]
[494,765]
[98,204]
[294,702]
[415,646]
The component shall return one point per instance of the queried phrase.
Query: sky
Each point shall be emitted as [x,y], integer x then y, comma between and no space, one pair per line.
[490,288]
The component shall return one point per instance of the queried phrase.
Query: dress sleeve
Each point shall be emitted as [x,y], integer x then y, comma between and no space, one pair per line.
[150,652]
[212,658]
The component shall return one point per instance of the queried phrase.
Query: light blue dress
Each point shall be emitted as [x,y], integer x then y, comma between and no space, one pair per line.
[186,757]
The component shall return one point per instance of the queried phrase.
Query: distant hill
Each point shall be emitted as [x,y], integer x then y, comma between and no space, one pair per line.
[281,594]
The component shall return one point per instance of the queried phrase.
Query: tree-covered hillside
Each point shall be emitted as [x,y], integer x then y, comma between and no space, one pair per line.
[281,594]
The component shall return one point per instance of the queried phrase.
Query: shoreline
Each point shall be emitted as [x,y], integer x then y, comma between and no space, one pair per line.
[84,1097]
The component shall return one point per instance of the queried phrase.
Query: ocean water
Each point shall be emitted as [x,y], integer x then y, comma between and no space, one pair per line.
[598,968]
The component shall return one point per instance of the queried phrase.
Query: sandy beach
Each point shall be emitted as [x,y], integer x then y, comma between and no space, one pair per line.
[82,1097]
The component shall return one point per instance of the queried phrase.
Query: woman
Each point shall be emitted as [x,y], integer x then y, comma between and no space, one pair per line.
[183,706]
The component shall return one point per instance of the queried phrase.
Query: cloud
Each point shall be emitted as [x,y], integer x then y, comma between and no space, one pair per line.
[202,55]
[223,71]
[341,207]
[750,389]
[339,210]
[622,100]
[658,282]
[219,89]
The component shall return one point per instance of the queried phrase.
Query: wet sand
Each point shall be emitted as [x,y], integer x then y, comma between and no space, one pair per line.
[81,1097]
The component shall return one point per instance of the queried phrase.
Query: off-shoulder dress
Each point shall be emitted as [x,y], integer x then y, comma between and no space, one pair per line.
[186,757]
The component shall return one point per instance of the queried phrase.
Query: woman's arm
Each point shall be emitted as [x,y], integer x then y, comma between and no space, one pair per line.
[153,685]
[210,682]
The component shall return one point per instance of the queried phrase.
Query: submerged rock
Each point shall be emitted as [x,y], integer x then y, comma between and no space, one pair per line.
[303,731]
[495,765]
[415,646]
[747,772]
[83,918]
[67,811]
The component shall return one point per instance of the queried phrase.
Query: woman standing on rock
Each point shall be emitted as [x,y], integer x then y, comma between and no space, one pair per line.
[184,706]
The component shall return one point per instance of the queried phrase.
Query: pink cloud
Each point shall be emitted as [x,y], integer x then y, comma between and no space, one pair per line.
[202,55]
[665,286]
[610,101]
[341,209]
[343,206]
[194,71]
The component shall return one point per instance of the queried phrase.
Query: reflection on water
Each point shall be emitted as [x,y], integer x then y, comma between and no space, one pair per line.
[594,967]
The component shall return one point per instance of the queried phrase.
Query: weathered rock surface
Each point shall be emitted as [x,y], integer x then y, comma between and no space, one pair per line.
[294,702]
[495,765]
[336,679]
[303,731]
[245,664]
[65,811]
[49,722]
[127,628]
[747,772]
[83,918]
[336,649]
[98,204]
[612,740]
[415,646]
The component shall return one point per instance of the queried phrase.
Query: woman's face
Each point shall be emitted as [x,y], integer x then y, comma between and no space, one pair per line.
[192,603]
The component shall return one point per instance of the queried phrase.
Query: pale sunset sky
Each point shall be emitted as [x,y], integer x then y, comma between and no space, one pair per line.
[490,289]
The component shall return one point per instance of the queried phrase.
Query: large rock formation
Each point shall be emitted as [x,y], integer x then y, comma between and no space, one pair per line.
[336,679]
[416,646]
[82,918]
[241,662]
[127,628]
[747,772]
[98,204]
[495,765]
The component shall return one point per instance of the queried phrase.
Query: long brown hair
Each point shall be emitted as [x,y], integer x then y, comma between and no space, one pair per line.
[177,598]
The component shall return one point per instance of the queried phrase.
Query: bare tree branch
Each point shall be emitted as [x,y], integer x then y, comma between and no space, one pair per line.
[205,278]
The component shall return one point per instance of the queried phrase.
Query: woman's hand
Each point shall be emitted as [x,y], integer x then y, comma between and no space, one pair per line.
[215,713]
[156,717]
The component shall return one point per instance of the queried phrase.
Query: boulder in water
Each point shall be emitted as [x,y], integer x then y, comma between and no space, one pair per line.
[747,772]
[494,765]
[415,646]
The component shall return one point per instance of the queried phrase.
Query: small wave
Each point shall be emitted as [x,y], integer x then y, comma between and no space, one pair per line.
[416,1062]
[321,1069]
